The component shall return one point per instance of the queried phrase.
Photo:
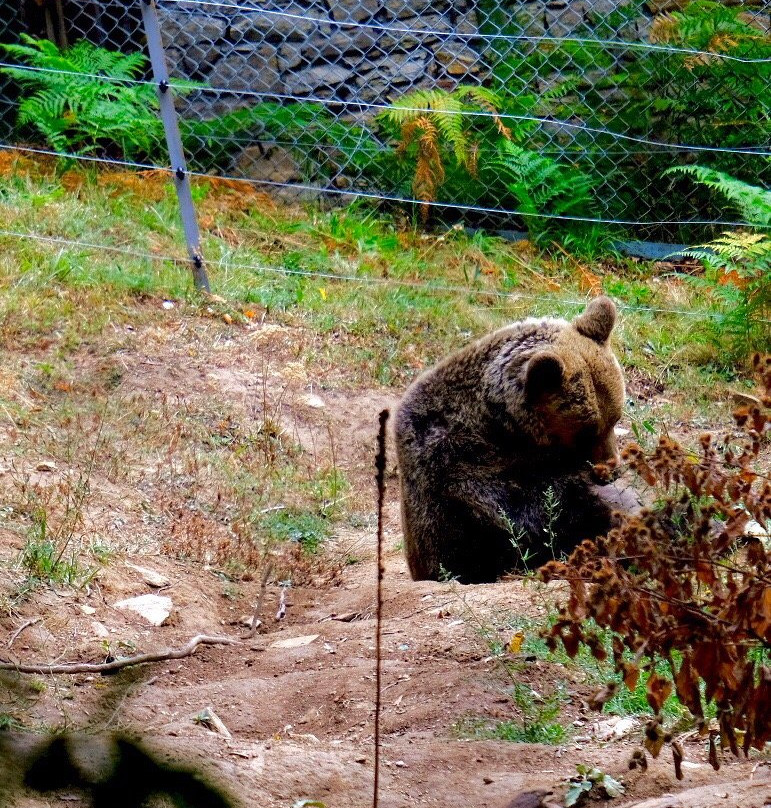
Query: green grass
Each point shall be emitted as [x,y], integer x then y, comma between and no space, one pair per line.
[595,673]
[44,561]
[305,527]
[543,731]
[377,327]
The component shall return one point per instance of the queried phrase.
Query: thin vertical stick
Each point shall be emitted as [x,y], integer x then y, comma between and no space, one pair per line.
[380,464]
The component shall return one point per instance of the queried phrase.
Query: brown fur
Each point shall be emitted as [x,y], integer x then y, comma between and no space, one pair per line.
[481,436]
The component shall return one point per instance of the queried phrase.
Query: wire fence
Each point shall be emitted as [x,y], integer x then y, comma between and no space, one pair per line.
[498,113]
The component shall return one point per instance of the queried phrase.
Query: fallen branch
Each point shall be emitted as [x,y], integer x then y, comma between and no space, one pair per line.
[257,617]
[21,628]
[117,664]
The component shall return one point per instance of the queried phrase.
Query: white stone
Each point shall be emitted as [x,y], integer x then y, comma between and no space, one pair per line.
[624,726]
[150,577]
[294,642]
[153,608]
[100,631]
[313,401]
[756,530]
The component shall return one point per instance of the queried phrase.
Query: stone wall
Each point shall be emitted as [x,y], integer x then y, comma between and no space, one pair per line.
[374,51]
[342,50]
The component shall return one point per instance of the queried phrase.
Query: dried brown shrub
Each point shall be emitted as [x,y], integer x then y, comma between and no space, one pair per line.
[686,583]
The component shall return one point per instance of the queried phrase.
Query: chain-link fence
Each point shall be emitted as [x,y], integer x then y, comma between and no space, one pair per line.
[515,113]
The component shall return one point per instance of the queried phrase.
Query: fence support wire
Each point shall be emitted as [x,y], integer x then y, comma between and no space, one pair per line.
[174,142]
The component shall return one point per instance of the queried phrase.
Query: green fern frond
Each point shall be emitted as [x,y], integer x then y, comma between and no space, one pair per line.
[415,103]
[738,279]
[75,111]
[465,137]
[752,202]
[746,253]
[562,88]
[542,185]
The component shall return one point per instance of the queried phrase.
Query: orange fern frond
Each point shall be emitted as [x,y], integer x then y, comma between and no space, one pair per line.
[429,170]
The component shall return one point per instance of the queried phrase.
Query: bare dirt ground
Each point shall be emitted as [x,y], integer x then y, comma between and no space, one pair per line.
[300,715]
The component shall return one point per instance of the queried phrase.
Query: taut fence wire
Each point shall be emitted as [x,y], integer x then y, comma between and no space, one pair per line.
[538,114]
[363,280]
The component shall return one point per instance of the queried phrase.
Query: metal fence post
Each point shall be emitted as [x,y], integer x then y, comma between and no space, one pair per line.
[174,142]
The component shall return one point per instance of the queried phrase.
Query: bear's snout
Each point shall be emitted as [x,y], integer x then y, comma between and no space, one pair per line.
[606,449]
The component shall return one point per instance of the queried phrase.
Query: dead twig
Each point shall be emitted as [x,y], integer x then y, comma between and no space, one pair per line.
[380,465]
[257,618]
[281,613]
[117,664]
[21,628]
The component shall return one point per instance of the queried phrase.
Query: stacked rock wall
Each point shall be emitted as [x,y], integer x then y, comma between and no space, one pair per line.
[373,51]
[346,50]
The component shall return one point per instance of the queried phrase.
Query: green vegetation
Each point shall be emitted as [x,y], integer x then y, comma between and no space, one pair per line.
[539,727]
[497,146]
[595,674]
[542,186]
[88,100]
[305,527]
[414,297]
[76,112]
[591,779]
[738,267]
[707,83]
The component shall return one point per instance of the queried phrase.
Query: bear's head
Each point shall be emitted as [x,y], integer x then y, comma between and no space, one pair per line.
[575,387]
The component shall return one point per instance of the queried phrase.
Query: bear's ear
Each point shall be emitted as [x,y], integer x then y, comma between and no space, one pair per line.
[597,320]
[543,375]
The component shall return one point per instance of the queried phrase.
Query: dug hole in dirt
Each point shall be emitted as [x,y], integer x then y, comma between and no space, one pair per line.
[297,699]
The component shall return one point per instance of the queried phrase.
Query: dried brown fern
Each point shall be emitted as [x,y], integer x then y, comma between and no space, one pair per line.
[688,583]
[446,128]
[429,171]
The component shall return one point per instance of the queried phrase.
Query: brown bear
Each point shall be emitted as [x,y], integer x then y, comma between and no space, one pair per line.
[496,445]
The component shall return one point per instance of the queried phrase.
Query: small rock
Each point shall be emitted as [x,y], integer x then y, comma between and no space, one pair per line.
[168,304]
[615,727]
[46,465]
[209,719]
[346,617]
[153,608]
[624,726]
[304,82]
[313,401]
[294,642]
[86,609]
[756,531]
[100,630]
[529,799]
[151,577]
